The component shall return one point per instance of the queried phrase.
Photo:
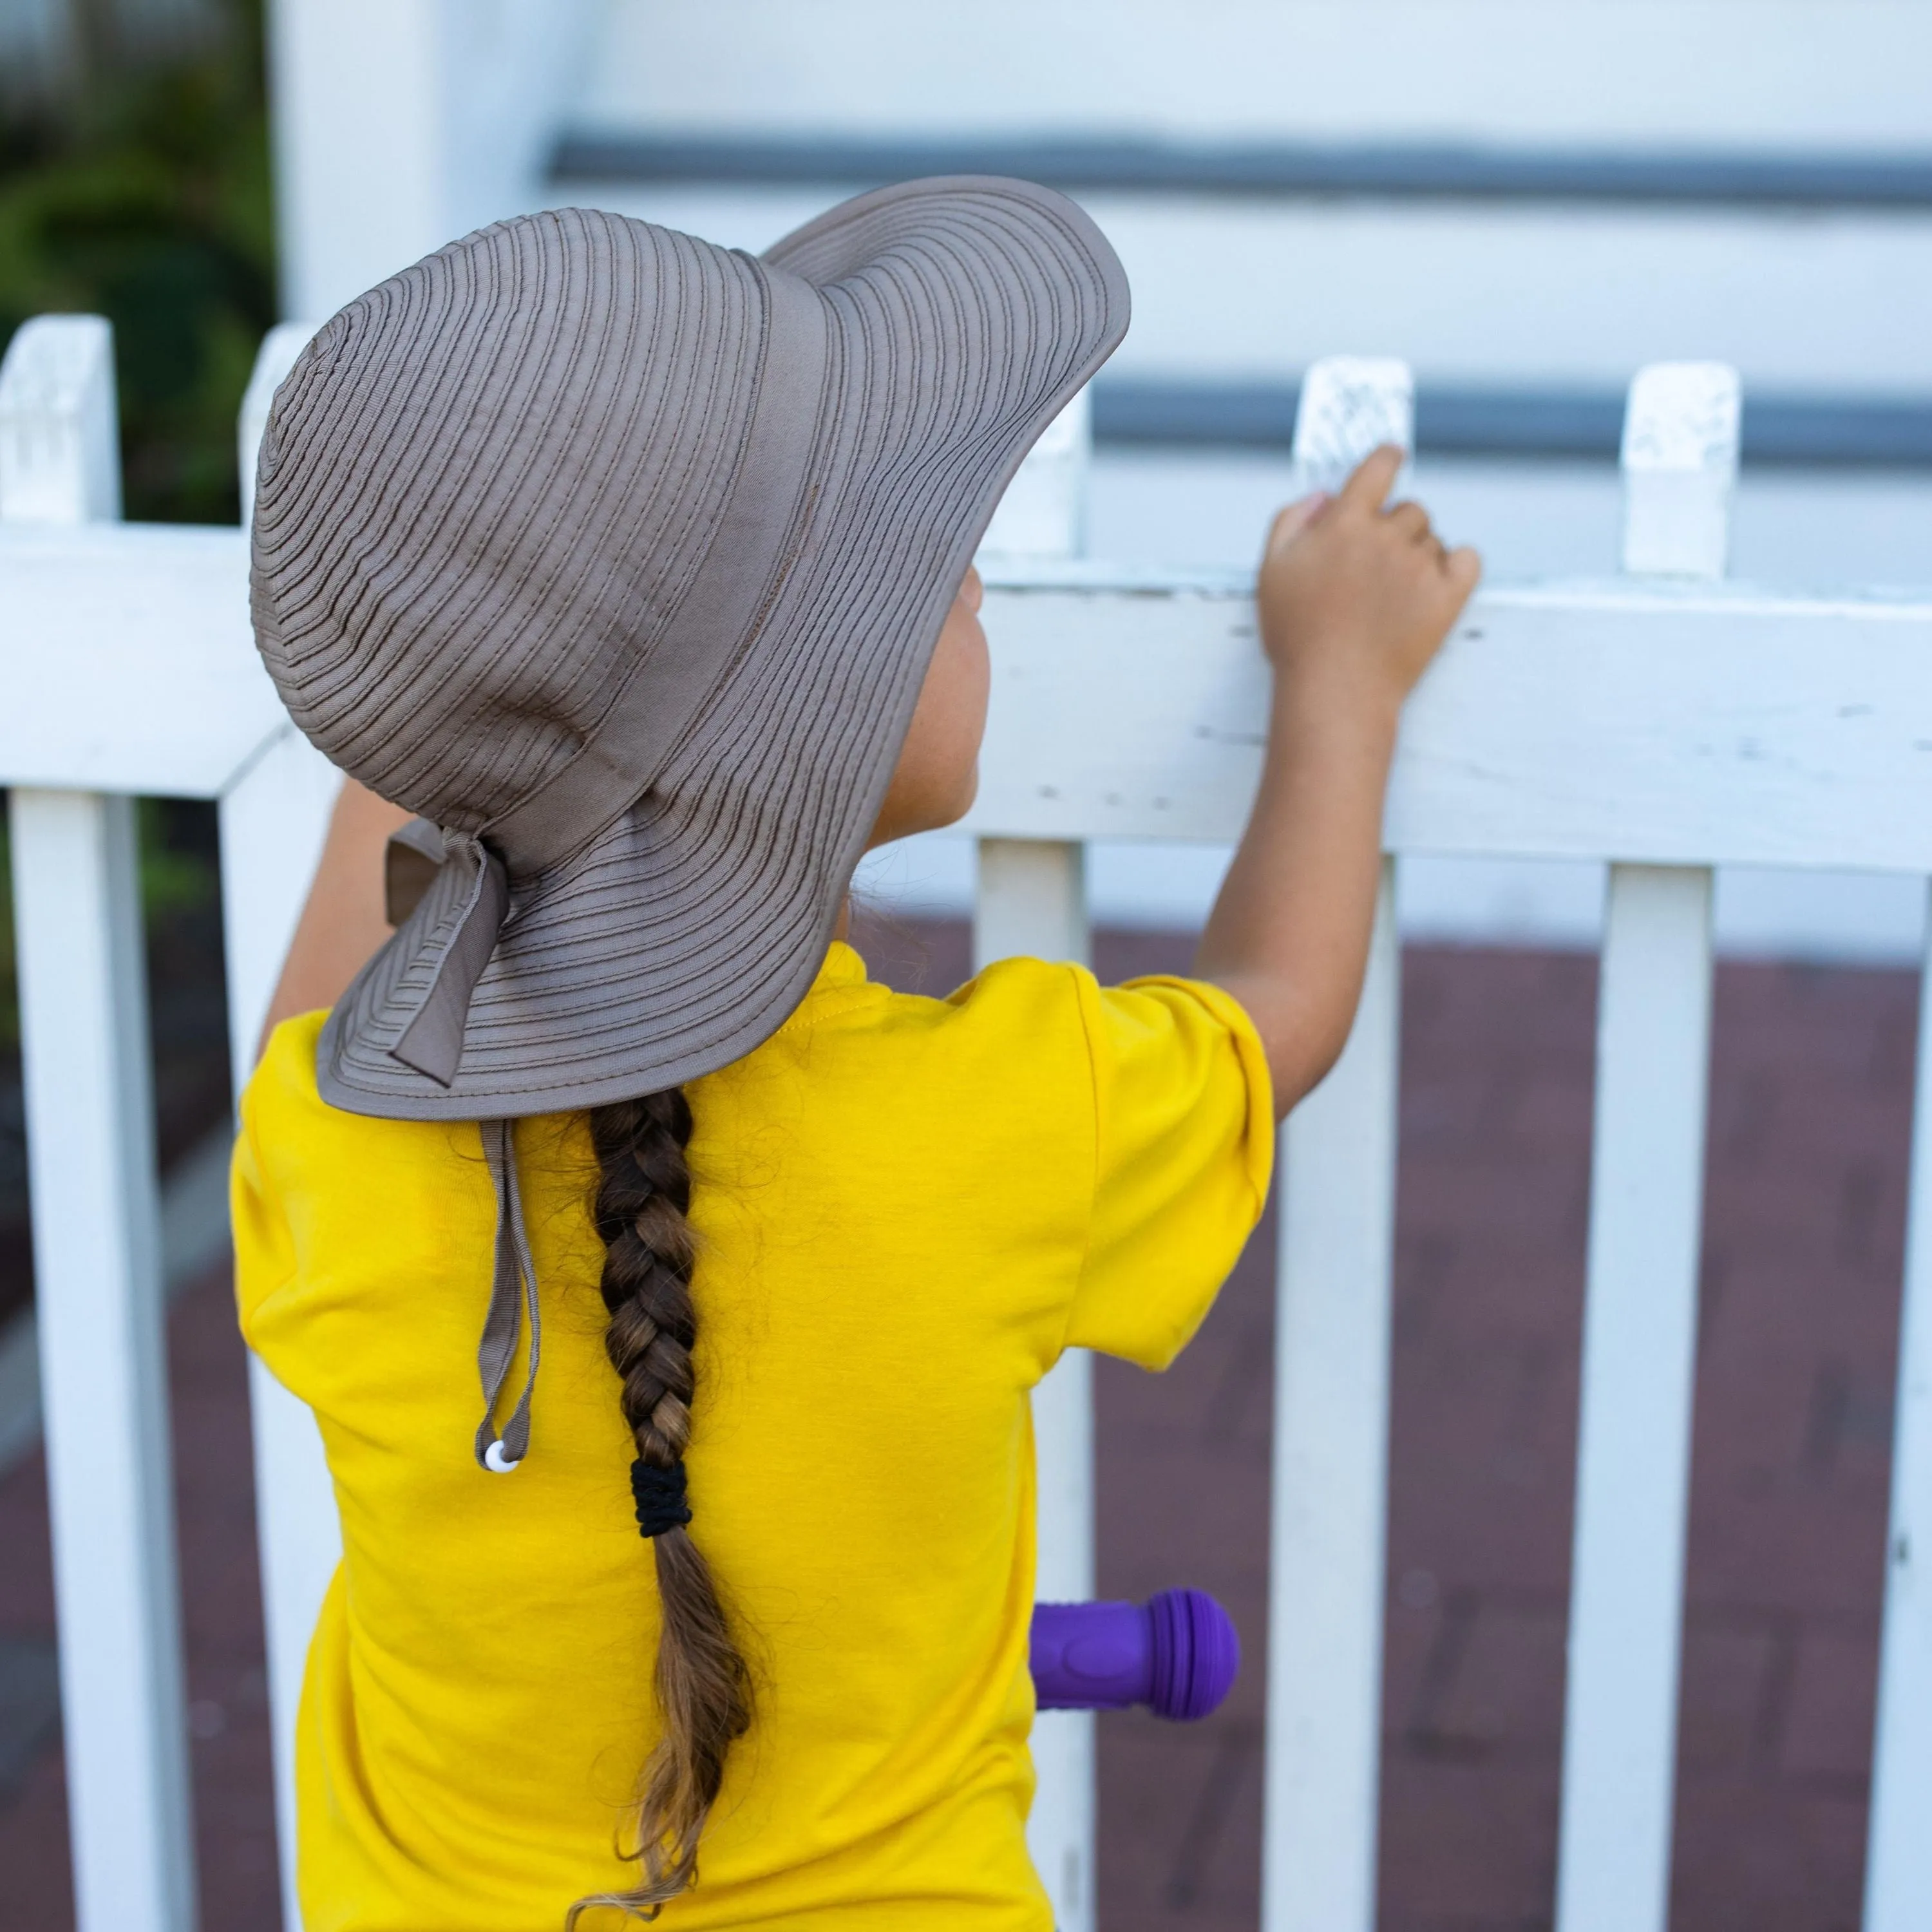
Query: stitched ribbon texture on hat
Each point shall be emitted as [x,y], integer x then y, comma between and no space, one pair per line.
[627,554]
[753,546]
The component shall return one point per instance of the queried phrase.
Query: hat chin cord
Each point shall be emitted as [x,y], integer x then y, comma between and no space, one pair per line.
[513,1295]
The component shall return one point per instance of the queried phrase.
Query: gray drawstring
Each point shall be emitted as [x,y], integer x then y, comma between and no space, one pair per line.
[513,1277]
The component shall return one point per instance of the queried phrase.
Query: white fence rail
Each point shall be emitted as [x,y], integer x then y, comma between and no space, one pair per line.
[127,669]
[1662,721]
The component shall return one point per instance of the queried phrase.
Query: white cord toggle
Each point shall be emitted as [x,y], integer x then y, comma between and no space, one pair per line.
[494,1459]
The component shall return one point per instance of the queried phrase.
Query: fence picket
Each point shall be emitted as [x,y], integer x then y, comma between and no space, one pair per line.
[1329,1472]
[1680,466]
[1646,1201]
[1633,1435]
[1350,405]
[59,436]
[96,1227]
[1043,514]
[273,817]
[1898,1870]
[1328,1497]
[1031,898]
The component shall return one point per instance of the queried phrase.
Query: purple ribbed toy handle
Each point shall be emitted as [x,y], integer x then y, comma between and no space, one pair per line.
[1177,1654]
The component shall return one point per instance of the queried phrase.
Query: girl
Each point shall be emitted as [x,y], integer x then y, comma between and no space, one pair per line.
[639,571]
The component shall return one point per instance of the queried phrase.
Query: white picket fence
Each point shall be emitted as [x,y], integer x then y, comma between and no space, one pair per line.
[1663,721]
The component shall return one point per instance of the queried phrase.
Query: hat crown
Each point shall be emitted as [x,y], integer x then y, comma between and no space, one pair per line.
[485,489]
[622,558]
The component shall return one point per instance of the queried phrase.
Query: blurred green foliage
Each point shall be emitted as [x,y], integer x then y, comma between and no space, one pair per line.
[147,200]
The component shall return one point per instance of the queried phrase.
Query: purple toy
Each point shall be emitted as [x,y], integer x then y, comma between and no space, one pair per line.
[1177,1654]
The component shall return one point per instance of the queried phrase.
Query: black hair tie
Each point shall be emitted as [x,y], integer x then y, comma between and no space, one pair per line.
[660,1494]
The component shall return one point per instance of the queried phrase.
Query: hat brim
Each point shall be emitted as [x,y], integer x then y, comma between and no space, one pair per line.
[963,313]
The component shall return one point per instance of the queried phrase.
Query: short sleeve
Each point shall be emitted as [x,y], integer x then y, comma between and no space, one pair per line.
[1183,1145]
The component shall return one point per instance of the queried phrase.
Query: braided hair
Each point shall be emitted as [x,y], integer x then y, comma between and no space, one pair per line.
[702,1683]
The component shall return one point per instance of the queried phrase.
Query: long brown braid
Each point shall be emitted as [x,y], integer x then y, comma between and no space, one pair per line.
[703,1685]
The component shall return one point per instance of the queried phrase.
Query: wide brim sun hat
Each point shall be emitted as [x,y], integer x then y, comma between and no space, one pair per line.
[620,558]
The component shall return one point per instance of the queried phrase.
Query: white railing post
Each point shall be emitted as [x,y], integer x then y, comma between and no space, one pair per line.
[96,1227]
[1350,405]
[1328,1513]
[1898,1865]
[1680,466]
[1329,1485]
[273,818]
[1031,898]
[1646,1201]
[60,460]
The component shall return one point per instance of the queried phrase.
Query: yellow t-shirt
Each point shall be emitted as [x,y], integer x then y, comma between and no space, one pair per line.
[907,1209]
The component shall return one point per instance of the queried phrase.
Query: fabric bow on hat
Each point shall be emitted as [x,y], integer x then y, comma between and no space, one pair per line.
[432,1043]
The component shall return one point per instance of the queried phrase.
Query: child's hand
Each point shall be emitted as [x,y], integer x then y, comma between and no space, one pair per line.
[1354,600]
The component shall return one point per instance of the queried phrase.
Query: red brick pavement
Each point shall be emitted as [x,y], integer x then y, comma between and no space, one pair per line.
[1810,1105]
[1811,1095]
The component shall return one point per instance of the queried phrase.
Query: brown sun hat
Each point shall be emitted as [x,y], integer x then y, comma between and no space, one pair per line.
[619,557]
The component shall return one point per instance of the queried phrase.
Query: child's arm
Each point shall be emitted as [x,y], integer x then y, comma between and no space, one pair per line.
[1354,600]
[342,923]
